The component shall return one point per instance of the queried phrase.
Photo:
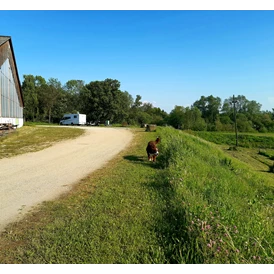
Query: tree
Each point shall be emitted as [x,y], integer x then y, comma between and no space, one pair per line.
[135,111]
[176,117]
[243,123]
[225,123]
[30,88]
[193,119]
[124,102]
[72,90]
[101,100]
[49,95]
[209,107]
[137,103]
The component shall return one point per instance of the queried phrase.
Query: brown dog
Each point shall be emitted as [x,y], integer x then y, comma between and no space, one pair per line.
[152,150]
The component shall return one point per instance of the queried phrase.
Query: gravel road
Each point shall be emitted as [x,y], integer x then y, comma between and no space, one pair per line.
[29,179]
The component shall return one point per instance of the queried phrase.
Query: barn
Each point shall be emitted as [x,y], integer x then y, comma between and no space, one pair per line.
[11,96]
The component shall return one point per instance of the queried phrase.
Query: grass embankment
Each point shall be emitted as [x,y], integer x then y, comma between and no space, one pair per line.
[195,205]
[256,149]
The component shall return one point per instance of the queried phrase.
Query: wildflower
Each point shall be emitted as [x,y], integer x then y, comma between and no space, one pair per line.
[221,240]
[192,222]
[237,250]
[236,231]
[209,245]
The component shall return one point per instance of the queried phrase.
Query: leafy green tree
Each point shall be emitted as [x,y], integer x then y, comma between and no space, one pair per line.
[147,107]
[209,107]
[30,88]
[267,120]
[72,90]
[49,95]
[227,107]
[225,123]
[253,108]
[135,111]
[244,124]
[242,105]
[123,104]
[176,117]
[143,118]
[193,119]
[154,115]
[101,100]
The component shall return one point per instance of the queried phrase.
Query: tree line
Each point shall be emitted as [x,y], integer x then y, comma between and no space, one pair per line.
[103,100]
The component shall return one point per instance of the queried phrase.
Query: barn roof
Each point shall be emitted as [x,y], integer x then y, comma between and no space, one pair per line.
[4,39]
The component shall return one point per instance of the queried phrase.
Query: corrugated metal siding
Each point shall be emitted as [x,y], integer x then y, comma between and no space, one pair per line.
[11,100]
[10,105]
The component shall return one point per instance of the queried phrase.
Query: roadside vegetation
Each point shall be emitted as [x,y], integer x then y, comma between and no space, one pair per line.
[196,204]
[101,101]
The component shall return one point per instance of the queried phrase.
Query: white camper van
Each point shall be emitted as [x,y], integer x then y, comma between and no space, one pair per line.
[73,119]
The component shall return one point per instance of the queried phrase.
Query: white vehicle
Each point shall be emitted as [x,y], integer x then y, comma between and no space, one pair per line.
[73,119]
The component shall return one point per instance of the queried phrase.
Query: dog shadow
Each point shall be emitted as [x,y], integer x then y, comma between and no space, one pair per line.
[134,158]
[141,160]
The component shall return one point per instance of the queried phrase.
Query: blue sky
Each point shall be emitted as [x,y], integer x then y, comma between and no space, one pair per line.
[169,57]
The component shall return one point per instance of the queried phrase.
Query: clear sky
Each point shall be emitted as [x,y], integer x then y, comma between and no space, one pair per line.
[169,57]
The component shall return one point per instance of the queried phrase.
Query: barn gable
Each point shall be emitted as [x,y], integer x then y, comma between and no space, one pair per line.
[11,97]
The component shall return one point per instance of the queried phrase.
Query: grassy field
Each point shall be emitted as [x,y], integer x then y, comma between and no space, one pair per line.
[197,204]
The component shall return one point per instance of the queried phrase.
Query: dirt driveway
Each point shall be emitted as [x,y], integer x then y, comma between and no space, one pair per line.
[32,178]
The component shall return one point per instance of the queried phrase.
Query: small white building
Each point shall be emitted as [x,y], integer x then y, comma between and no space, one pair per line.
[11,96]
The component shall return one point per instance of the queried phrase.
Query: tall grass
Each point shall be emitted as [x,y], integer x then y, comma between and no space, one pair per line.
[218,210]
[194,205]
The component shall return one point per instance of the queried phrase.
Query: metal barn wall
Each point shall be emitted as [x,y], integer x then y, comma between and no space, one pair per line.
[11,104]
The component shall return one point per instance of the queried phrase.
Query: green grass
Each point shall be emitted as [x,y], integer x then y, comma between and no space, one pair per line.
[195,205]
[256,149]
[248,140]
[34,138]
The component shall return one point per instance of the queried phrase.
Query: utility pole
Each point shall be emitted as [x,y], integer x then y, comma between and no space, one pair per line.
[234,101]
